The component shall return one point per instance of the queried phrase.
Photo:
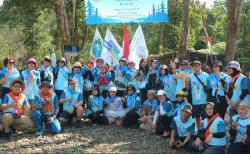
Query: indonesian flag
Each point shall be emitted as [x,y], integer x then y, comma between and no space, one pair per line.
[126,50]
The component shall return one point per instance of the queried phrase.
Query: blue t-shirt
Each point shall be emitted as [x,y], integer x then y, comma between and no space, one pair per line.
[94,104]
[241,127]
[32,83]
[14,75]
[75,97]
[183,128]
[199,95]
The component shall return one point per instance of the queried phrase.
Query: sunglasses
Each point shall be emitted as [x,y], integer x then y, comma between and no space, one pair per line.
[31,63]
[72,84]
[61,62]
[215,66]
[78,67]
[11,62]
[48,60]
[17,86]
[179,96]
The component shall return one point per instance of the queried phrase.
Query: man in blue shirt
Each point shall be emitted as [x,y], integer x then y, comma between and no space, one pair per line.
[197,83]
[72,101]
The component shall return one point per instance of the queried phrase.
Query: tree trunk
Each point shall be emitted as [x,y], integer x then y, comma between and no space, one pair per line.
[62,23]
[74,30]
[233,13]
[182,53]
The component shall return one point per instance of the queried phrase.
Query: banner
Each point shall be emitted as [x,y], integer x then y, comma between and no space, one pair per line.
[96,47]
[111,50]
[125,11]
[138,47]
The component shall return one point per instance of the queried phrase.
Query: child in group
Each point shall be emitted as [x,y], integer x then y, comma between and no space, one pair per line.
[95,107]
[166,114]
[240,131]
[132,105]
[114,111]
[183,126]
[149,107]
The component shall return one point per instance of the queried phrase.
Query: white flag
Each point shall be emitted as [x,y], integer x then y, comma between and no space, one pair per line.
[111,51]
[97,43]
[138,47]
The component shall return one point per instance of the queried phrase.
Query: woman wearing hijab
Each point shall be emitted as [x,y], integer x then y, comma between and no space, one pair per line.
[211,136]
[240,131]
[95,107]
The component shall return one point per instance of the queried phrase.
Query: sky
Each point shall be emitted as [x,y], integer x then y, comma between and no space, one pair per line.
[1,2]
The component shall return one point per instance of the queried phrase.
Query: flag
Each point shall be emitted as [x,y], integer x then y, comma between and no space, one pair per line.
[111,51]
[138,47]
[96,47]
[125,42]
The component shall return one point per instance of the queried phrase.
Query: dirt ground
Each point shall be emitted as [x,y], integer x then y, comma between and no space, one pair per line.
[88,139]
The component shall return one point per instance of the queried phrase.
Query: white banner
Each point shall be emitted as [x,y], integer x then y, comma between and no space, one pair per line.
[138,47]
[111,50]
[97,44]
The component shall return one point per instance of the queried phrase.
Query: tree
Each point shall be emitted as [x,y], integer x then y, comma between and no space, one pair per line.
[234,10]
[182,53]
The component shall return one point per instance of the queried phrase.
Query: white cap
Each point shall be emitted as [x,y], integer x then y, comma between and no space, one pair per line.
[77,64]
[160,92]
[234,64]
[113,89]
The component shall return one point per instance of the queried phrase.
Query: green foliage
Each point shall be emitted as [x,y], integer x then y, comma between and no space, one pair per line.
[29,28]
[219,47]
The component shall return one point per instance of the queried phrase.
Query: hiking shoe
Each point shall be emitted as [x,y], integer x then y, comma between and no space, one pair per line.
[39,133]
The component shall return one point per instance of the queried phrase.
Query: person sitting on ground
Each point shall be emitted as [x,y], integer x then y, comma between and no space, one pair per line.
[149,107]
[12,107]
[211,136]
[183,126]
[46,109]
[240,131]
[115,111]
[166,114]
[132,105]
[181,101]
[72,101]
[95,107]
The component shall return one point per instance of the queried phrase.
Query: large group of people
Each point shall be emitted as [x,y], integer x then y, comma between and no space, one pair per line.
[180,100]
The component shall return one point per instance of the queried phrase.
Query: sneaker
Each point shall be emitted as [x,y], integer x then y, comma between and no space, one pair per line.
[39,133]
[166,134]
